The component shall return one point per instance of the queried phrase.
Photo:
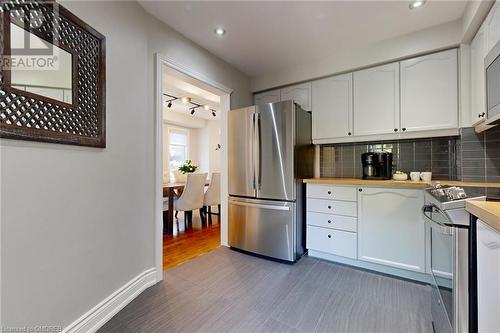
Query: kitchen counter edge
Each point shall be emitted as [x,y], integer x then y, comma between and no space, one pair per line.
[392,183]
[486,211]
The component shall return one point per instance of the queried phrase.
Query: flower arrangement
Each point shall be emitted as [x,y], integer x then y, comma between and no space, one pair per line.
[188,167]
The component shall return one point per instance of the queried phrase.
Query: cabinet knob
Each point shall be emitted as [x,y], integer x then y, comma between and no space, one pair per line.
[404,129]
[329,236]
[329,207]
[329,192]
[360,190]
[349,133]
[329,221]
[395,130]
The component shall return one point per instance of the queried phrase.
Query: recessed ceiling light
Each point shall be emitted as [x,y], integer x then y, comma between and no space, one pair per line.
[417,4]
[220,31]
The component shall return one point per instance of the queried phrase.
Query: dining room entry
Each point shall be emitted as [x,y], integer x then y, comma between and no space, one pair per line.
[192,144]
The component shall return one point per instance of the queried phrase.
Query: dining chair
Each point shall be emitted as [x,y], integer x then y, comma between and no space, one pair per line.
[212,197]
[191,197]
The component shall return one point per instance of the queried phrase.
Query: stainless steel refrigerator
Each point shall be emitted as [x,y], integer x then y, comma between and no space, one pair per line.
[270,151]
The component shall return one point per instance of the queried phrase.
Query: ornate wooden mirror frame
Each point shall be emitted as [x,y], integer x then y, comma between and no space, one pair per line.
[28,116]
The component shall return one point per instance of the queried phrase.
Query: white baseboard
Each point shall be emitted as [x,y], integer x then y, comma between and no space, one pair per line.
[102,312]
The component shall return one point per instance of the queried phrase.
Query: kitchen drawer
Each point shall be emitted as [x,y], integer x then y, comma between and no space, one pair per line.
[345,208]
[341,243]
[345,193]
[338,222]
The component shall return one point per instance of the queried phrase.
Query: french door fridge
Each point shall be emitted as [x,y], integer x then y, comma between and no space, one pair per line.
[270,151]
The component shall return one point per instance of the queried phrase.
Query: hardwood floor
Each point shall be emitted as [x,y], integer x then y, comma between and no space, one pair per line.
[185,245]
[228,291]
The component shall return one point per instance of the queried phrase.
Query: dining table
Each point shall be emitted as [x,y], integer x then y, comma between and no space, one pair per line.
[169,193]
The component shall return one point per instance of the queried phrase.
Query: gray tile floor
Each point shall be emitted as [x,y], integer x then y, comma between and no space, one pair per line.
[227,291]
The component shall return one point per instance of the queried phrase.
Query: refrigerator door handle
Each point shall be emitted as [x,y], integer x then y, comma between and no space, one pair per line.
[258,151]
[254,183]
[273,207]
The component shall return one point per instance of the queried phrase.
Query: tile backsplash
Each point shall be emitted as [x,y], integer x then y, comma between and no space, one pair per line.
[438,155]
[469,157]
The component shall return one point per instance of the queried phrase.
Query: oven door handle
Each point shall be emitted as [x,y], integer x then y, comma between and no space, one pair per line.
[436,225]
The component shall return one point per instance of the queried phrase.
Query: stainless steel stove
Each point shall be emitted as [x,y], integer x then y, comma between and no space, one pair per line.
[448,222]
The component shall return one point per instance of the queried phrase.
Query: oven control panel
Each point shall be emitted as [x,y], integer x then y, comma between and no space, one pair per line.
[444,194]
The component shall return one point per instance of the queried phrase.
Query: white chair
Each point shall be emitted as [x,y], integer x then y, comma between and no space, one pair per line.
[192,196]
[212,196]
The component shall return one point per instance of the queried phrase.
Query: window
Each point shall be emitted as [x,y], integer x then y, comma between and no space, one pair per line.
[178,148]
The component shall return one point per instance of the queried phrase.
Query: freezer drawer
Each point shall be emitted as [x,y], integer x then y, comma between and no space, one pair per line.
[263,227]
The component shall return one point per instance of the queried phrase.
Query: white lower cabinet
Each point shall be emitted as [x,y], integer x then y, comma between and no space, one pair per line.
[338,222]
[331,220]
[488,278]
[374,228]
[337,242]
[345,208]
[391,230]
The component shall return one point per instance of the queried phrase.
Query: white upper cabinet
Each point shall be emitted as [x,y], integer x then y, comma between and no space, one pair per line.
[390,228]
[300,93]
[493,25]
[429,92]
[478,50]
[376,100]
[271,96]
[332,107]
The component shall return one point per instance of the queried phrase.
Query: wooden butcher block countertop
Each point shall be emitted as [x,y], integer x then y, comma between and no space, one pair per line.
[392,183]
[486,211]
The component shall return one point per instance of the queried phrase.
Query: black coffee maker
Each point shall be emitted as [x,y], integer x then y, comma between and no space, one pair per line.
[377,165]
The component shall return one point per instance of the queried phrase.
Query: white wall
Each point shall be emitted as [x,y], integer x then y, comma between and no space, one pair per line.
[434,38]
[205,153]
[78,223]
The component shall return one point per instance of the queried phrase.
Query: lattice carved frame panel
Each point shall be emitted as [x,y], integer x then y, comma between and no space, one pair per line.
[28,116]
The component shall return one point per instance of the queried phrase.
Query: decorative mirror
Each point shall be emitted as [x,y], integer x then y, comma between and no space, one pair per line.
[52,75]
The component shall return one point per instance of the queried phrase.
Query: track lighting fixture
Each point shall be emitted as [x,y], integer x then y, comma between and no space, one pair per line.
[187,100]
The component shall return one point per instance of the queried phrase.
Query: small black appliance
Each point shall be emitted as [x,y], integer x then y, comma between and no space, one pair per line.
[377,165]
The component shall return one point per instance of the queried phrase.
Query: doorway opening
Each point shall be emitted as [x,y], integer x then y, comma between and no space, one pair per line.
[191,164]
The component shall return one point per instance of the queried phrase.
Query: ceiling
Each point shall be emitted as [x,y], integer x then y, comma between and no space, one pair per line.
[179,85]
[263,37]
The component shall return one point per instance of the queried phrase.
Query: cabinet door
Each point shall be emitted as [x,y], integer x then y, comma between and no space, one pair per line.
[376,100]
[332,104]
[300,93]
[429,92]
[272,96]
[478,50]
[493,25]
[488,278]
[391,230]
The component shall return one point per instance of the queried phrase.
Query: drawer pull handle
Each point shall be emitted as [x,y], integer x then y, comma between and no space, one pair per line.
[329,207]
[329,192]
[329,221]
[329,236]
